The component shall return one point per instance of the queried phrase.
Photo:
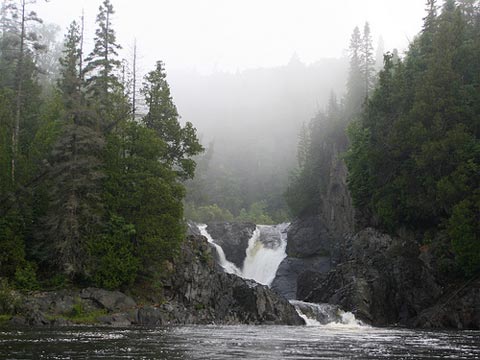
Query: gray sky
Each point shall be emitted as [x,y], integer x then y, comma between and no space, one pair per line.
[231,35]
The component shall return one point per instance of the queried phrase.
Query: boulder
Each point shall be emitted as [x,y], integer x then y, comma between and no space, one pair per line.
[233,238]
[110,300]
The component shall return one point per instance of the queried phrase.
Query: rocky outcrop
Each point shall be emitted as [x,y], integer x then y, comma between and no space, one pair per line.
[218,297]
[291,269]
[233,238]
[382,280]
[308,237]
[197,293]
[458,308]
[65,307]
[315,240]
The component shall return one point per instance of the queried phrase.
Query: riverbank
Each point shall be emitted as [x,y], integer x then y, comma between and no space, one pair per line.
[197,292]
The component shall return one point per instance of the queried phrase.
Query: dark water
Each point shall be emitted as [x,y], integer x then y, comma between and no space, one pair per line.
[238,342]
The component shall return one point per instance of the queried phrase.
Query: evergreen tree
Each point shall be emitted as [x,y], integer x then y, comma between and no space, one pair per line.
[367,60]
[75,212]
[163,118]
[414,157]
[103,66]
[355,86]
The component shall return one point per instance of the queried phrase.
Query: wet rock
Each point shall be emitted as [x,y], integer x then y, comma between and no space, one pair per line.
[233,238]
[192,229]
[383,281]
[458,308]
[308,237]
[210,296]
[116,320]
[286,279]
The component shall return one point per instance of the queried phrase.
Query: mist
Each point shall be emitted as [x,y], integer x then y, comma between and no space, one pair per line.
[248,75]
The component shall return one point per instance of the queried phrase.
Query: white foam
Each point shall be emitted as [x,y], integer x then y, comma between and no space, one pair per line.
[262,261]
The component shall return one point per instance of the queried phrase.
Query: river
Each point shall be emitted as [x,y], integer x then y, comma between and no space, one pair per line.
[239,342]
[340,337]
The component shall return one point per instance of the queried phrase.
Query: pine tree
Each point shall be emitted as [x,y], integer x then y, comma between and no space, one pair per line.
[367,60]
[18,45]
[355,88]
[74,214]
[162,116]
[103,66]
[70,81]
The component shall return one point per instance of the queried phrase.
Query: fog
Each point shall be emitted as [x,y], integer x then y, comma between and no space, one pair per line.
[248,73]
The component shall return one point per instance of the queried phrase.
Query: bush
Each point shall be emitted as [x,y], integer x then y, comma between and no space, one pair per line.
[464,230]
[114,262]
[26,277]
[9,299]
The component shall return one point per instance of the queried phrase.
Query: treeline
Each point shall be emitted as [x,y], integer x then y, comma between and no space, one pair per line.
[414,154]
[90,192]
[325,135]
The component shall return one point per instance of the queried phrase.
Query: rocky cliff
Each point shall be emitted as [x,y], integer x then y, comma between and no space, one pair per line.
[382,279]
[195,293]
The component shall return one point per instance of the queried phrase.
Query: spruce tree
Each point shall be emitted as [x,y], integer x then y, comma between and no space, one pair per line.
[163,118]
[355,87]
[102,69]
[367,60]
[74,215]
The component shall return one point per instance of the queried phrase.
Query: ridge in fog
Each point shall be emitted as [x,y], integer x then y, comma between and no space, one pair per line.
[251,120]
[217,35]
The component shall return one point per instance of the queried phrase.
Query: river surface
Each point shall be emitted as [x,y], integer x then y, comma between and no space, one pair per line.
[331,341]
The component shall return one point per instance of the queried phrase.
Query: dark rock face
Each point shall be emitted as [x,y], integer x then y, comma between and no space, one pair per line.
[308,237]
[223,298]
[233,238]
[383,281]
[286,282]
[459,308]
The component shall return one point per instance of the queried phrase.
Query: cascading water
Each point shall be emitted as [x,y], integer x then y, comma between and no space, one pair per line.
[325,314]
[265,251]
[228,266]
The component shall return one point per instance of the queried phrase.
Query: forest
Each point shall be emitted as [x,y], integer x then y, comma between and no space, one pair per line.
[93,190]
[410,139]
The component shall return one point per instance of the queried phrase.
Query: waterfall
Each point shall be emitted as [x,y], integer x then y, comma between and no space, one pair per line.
[228,266]
[325,314]
[265,252]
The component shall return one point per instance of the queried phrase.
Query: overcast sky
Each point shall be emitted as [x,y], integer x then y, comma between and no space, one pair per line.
[231,35]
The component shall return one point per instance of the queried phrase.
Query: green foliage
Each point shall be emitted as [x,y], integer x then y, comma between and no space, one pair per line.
[12,247]
[464,230]
[115,265]
[26,277]
[256,214]
[203,214]
[414,159]
[79,315]
[86,194]
[162,117]
[9,299]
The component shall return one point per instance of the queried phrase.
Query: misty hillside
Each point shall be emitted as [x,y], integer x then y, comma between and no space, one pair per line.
[252,119]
